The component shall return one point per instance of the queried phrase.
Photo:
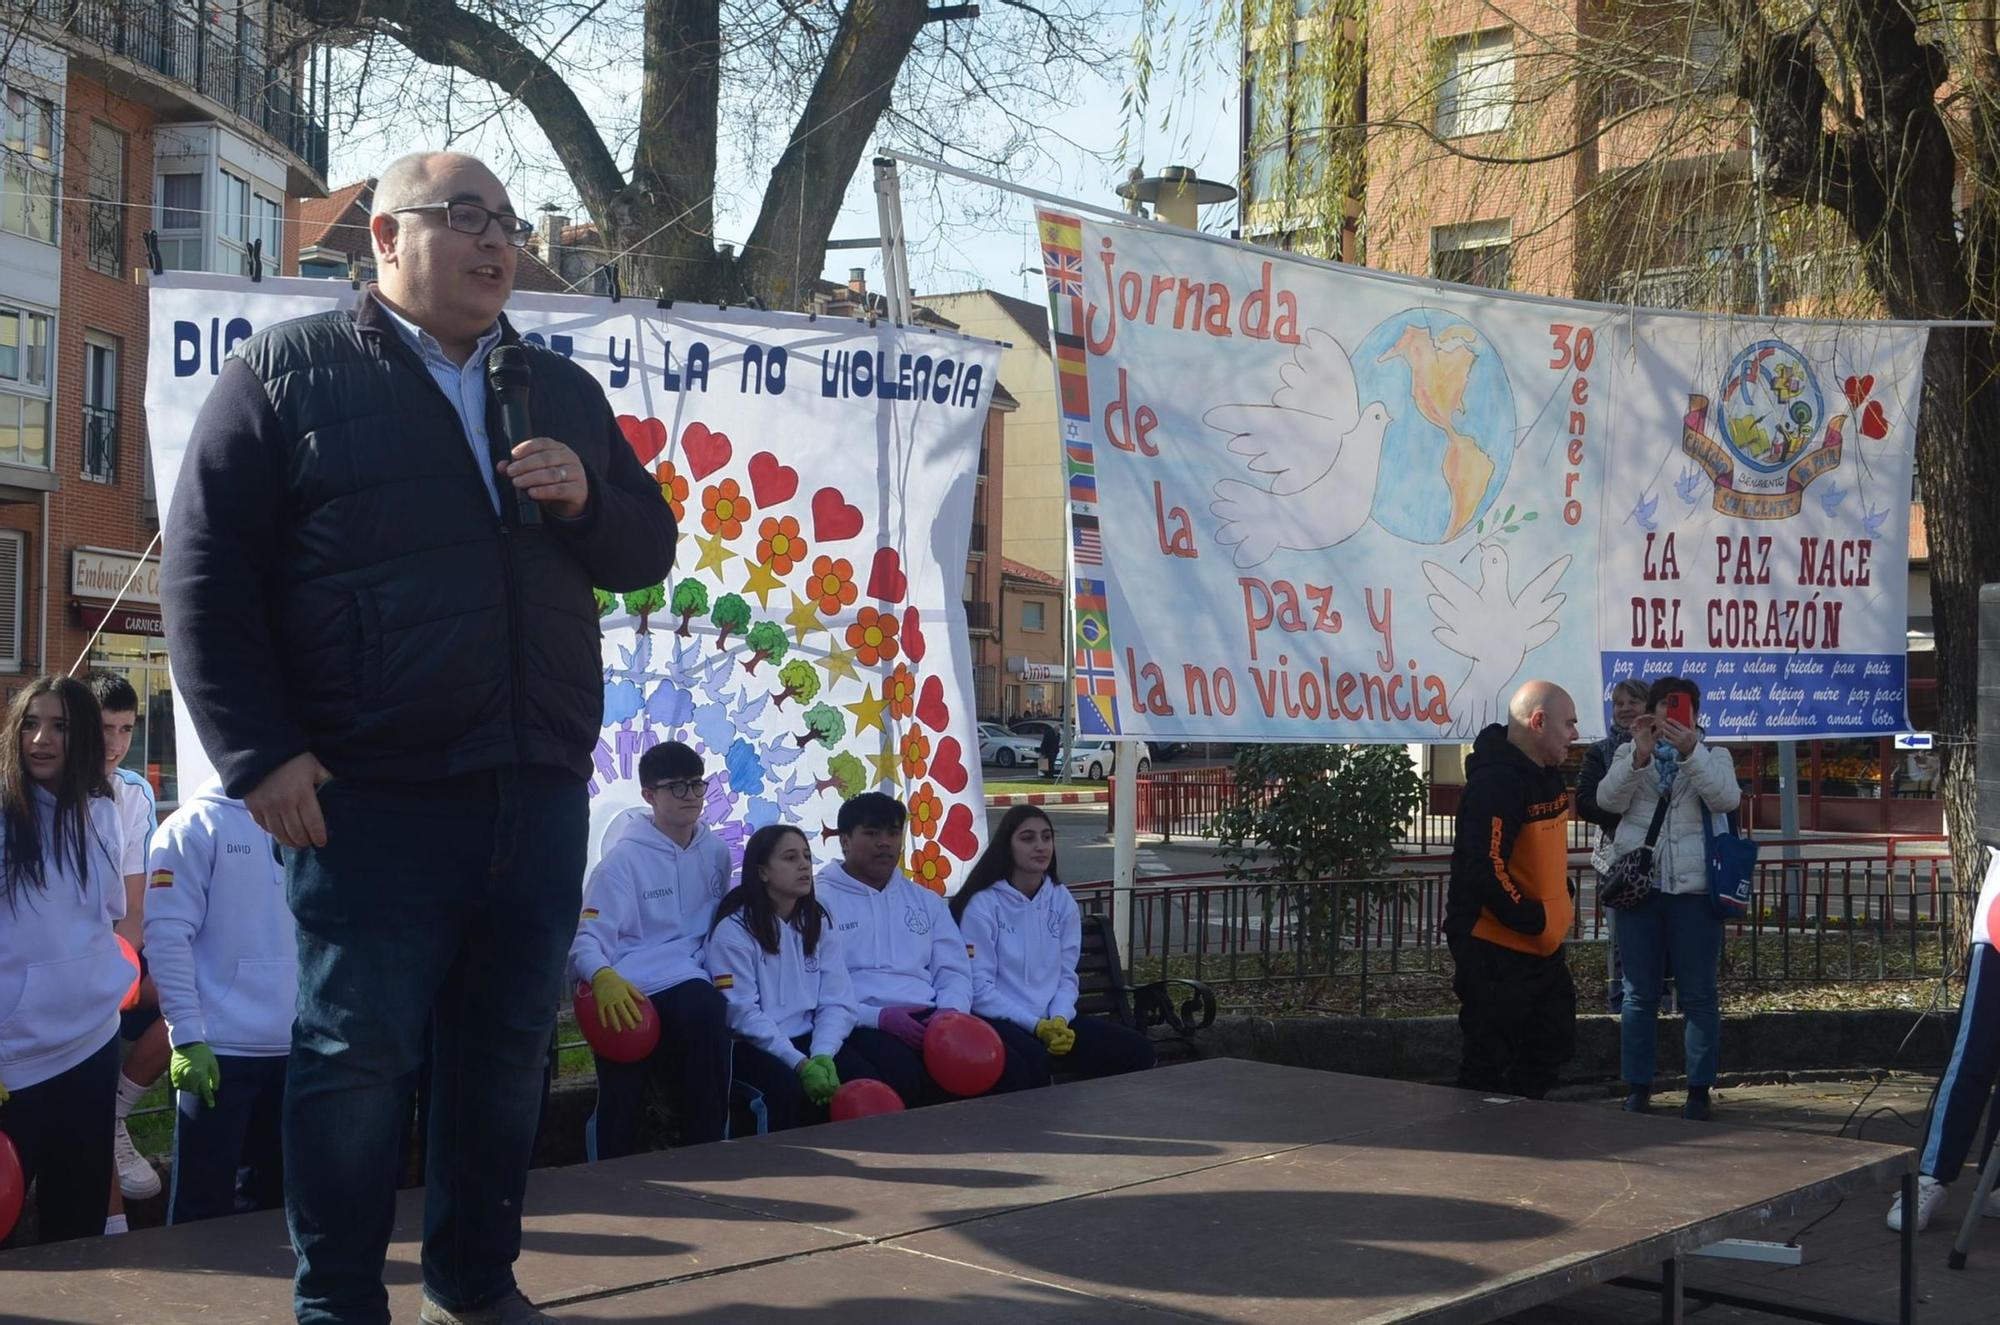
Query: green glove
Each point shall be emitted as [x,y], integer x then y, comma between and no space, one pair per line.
[193,1069]
[617,1000]
[819,1077]
[1055,1035]
[3,1092]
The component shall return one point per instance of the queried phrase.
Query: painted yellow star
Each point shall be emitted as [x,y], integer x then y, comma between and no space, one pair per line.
[887,765]
[803,617]
[867,712]
[713,553]
[839,662]
[763,580]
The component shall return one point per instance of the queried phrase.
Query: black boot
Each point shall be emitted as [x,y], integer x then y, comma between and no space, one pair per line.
[1696,1107]
[1640,1100]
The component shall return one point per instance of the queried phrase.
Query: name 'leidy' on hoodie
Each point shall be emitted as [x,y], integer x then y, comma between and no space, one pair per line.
[1023,952]
[220,940]
[648,906]
[902,947]
[62,976]
[774,997]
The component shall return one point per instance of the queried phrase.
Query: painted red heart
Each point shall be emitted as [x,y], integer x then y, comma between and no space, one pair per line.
[913,635]
[886,580]
[833,519]
[946,767]
[1858,389]
[771,481]
[706,451]
[646,437]
[931,707]
[957,836]
[1874,421]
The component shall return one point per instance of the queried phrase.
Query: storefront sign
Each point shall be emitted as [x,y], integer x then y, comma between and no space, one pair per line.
[101,574]
[123,620]
[1028,671]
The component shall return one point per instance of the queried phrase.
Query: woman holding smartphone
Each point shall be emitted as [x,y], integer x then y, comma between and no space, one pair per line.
[1666,761]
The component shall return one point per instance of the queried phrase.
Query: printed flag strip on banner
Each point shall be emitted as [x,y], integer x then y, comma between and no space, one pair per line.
[1097,712]
[805,646]
[1319,503]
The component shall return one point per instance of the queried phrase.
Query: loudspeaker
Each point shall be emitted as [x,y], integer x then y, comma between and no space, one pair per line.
[1986,791]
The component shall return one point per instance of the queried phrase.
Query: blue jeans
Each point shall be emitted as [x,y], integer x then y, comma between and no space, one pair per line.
[1679,931]
[1968,1080]
[227,1158]
[449,903]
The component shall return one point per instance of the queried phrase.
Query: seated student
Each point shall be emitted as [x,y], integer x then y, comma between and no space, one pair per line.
[646,913]
[141,1028]
[774,956]
[1023,933]
[225,958]
[62,976]
[904,953]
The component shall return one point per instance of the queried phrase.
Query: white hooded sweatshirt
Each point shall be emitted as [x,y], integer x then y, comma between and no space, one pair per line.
[774,997]
[903,949]
[1023,952]
[220,939]
[648,907]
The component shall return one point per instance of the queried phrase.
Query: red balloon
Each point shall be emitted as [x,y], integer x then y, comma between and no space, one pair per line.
[620,1046]
[12,1189]
[131,995]
[963,1054]
[864,1097]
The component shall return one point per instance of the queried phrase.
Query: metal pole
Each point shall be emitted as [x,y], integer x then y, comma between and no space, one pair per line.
[895,253]
[1124,844]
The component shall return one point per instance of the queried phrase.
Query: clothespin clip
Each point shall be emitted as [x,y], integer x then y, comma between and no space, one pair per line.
[256,259]
[611,270]
[152,241]
[663,303]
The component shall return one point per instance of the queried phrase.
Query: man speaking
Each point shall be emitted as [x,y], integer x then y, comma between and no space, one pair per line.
[383,626]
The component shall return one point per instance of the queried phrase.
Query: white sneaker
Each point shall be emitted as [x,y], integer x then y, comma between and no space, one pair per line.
[136,1176]
[1930,1197]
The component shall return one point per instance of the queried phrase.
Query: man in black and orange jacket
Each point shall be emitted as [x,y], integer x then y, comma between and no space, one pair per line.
[1509,905]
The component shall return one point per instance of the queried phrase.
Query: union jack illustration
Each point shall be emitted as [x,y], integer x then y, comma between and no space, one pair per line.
[1064,270]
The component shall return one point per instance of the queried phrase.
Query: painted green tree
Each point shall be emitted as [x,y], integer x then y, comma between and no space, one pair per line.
[846,774]
[730,614]
[606,601]
[801,682]
[690,600]
[645,602]
[823,724]
[767,641]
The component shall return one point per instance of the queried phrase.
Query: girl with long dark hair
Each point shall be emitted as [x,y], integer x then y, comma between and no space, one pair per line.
[62,976]
[778,964]
[1023,932]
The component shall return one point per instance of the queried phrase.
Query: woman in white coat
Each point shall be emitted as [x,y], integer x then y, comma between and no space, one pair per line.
[1675,924]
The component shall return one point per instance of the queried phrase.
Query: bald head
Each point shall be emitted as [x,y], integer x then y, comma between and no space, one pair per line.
[411,181]
[1541,721]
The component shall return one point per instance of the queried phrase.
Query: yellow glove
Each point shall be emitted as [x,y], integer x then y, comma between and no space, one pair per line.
[3,1092]
[617,1000]
[1055,1035]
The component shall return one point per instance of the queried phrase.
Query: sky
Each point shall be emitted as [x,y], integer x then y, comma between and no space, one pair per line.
[1192,122]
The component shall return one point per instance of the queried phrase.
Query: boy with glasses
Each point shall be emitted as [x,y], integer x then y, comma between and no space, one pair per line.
[647,910]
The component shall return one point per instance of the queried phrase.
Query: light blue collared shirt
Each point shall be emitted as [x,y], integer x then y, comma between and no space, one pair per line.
[464,387]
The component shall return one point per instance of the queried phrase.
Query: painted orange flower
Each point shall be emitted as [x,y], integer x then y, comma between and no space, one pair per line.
[724,508]
[779,545]
[916,753]
[674,487]
[832,583]
[926,812]
[930,867]
[900,690]
[872,636]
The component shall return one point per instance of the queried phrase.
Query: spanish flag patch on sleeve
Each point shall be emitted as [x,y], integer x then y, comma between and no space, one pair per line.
[161,879]
[725,982]
[589,913]
[968,952]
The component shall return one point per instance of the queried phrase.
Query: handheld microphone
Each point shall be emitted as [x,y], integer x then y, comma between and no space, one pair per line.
[507,373]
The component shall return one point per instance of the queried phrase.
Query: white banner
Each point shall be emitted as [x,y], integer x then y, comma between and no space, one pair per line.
[1317,504]
[812,641]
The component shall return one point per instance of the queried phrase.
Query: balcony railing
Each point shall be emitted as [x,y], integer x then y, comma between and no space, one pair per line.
[100,444]
[978,616]
[104,237]
[179,46]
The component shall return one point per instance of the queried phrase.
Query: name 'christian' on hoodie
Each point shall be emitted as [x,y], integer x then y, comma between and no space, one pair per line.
[774,997]
[902,947]
[61,973]
[1023,952]
[648,906]
[220,939]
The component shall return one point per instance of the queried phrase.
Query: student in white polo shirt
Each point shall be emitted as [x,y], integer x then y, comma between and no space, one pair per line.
[904,953]
[225,958]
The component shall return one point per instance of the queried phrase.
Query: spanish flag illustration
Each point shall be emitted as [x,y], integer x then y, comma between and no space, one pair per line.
[160,879]
[589,913]
[725,982]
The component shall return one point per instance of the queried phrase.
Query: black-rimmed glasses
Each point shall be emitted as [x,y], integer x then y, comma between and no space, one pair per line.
[470,218]
[681,788]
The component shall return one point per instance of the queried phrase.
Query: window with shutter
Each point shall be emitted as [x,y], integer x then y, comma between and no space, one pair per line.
[13,552]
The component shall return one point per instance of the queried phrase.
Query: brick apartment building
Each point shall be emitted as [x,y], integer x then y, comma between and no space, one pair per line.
[1655,209]
[119,120]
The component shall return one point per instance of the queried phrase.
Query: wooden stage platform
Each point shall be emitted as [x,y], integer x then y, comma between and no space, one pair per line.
[1218,1191]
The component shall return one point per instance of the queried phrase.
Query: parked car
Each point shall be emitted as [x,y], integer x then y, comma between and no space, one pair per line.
[1005,749]
[1035,727]
[1092,756]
